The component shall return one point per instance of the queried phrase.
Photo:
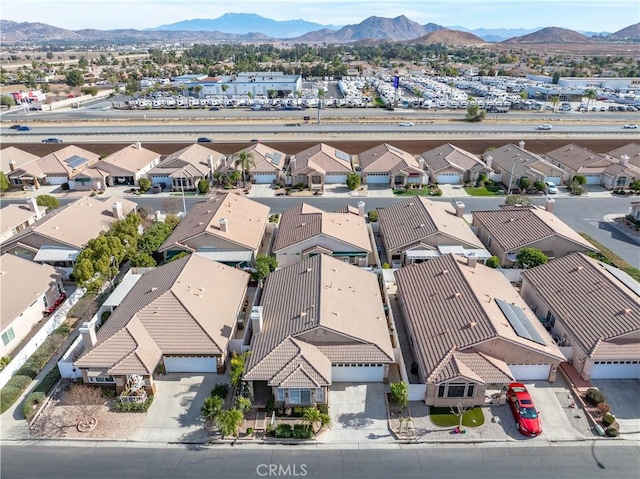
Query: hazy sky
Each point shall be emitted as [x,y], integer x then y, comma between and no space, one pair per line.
[591,15]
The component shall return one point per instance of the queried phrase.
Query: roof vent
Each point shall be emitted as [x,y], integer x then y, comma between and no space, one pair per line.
[309,270]
[473,324]
[579,268]
[445,271]
[625,311]
[153,289]
[457,294]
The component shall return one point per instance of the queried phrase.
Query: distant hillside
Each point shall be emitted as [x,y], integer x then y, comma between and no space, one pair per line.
[375,28]
[241,23]
[25,32]
[632,32]
[550,35]
[496,34]
[449,37]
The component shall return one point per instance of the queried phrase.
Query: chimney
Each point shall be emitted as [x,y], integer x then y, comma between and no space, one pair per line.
[33,206]
[624,160]
[88,334]
[210,162]
[292,163]
[12,165]
[489,161]
[138,145]
[549,205]
[360,208]
[224,225]
[472,261]
[256,319]
[459,209]
[421,163]
[116,208]
[521,144]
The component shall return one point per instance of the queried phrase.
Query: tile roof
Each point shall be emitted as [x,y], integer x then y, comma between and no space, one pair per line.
[22,282]
[526,162]
[322,158]
[62,225]
[449,306]
[304,221]
[313,302]
[18,156]
[130,159]
[414,220]
[578,159]
[517,227]
[632,150]
[195,157]
[246,218]
[178,308]
[593,301]
[448,155]
[386,158]
[265,158]
[61,161]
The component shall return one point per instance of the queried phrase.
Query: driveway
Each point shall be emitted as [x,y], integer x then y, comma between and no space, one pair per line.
[622,395]
[174,415]
[358,414]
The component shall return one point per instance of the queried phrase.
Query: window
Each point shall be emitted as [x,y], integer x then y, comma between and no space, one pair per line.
[46,303]
[101,379]
[7,336]
[294,396]
[305,396]
[441,390]
[320,394]
[456,390]
[280,394]
[59,287]
[470,390]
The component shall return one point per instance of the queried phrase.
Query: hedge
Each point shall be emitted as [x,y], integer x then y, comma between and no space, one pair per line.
[302,431]
[48,381]
[284,431]
[12,391]
[134,406]
[34,399]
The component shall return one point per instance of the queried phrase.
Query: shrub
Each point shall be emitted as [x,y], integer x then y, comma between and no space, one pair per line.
[302,431]
[493,262]
[4,362]
[373,216]
[611,431]
[271,429]
[47,383]
[220,390]
[108,393]
[284,431]
[608,419]
[298,411]
[203,186]
[249,431]
[269,407]
[400,393]
[323,408]
[604,408]
[531,257]
[594,396]
[212,407]
[30,405]
[144,184]
[12,391]
[386,266]
[134,406]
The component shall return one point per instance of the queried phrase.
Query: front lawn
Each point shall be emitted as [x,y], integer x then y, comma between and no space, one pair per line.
[484,190]
[442,417]
[424,191]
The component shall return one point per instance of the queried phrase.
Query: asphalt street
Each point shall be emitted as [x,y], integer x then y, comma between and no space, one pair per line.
[583,461]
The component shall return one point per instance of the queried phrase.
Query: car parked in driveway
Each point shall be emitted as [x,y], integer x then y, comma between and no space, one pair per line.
[552,189]
[52,140]
[523,409]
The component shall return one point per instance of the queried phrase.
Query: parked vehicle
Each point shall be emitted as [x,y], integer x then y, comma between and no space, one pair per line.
[52,140]
[523,409]
[59,300]
[552,189]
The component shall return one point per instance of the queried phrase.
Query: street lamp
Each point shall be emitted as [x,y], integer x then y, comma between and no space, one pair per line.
[511,177]
[184,204]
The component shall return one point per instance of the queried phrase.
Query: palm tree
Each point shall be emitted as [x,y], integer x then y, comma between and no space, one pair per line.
[230,421]
[244,161]
[591,94]
[554,101]
[311,416]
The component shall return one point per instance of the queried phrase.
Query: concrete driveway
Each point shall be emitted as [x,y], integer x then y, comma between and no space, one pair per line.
[358,413]
[174,415]
[622,395]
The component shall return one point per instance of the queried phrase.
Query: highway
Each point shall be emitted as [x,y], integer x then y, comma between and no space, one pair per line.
[599,460]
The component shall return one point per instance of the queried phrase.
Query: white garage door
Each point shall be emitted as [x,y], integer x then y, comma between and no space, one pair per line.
[264,179]
[378,179]
[620,370]
[177,364]
[556,180]
[335,179]
[357,374]
[530,372]
[448,178]
[593,179]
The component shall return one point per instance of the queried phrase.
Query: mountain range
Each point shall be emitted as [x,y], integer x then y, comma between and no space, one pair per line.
[240,27]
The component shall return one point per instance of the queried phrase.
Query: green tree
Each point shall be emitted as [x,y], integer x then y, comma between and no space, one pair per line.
[127,230]
[400,394]
[540,185]
[237,367]
[554,101]
[51,202]
[634,185]
[524,183]
[556,77]
[492,262]
[591,95]
[244,161]
[93,91]
[99,262]
[512,200]
[353,181]
[144,184]
[229,422]
[4,182]
[373,216]
[203,186]
[181,254]
[154,236]
[82,62]
[531,257]
[7,100]
[475,114]
[212,408]
[74,78]
[311,416]
[579,180]
[172,221]
[244,404]
[140,259]
[263,266]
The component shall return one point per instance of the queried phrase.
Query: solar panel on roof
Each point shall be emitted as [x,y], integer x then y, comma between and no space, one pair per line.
[277,158]
[342,155]
[75,161]
[520,322]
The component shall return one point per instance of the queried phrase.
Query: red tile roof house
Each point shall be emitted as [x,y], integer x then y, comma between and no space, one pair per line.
[449,164]
[268,164]
[319,165]
[597,169]
[593,310]
[470,331]
[305,230]
[127,165]
[320,321]
[176,315]
[417,229]
[506,230]
[229,227]
[387,165]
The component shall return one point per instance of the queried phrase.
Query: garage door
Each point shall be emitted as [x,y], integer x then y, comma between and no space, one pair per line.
[448,178]
[357,374]
[378,179]
[335,179]
[593,179]
[621,370]
[178,364]
[556,180]
[530,372]
[265,179]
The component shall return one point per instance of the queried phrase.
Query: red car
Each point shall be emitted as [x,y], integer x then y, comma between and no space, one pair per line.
[55,305]
[525,413]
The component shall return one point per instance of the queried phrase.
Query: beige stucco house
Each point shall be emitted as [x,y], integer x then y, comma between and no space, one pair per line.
[268,164]
[449,164]
[388,165]
[319,165]
[127,165]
